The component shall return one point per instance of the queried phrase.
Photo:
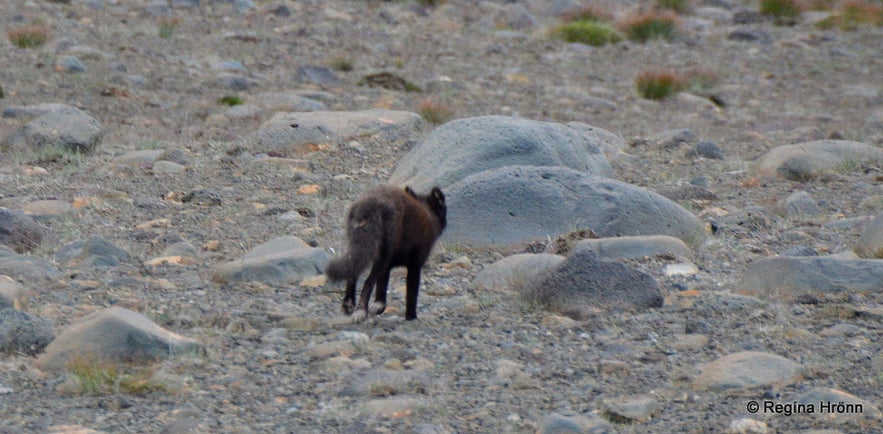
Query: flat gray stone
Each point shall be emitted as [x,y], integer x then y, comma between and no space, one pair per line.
[116,335]
[287,102]
[93,252]
[305,131]
[635,247]
[804,161]
[32,111]
[281,260]
[26,268]
[794,275]
[583,283]
[514,272]
[69,129]
[748,369]
[521,203]
[575,424]
[469,146]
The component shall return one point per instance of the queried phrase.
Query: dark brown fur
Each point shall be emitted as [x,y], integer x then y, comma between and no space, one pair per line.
[388,227]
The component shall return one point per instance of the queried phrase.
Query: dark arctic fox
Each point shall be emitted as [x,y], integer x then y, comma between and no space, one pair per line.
[387,227]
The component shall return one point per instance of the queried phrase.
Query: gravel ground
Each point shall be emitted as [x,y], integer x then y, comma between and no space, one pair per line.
[281,359]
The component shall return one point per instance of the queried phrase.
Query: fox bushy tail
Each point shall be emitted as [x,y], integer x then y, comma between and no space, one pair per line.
[365,236]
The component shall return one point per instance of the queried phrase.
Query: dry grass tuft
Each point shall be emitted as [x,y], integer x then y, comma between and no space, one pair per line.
[29,36]
[650,25]
[435,112]
[658,84]
[588,13]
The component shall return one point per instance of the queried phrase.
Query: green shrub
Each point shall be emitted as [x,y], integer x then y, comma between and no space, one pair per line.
[230,100]
[589,32]
[781,9]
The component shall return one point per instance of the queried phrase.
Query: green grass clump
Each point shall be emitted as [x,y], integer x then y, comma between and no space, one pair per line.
[230,100]
[650,25]
[781,9]
[675,5]
[658,84]
[851,14]
[167,25]
[89,376]
[29,36]
[342,64]
[593,33]
[857,12]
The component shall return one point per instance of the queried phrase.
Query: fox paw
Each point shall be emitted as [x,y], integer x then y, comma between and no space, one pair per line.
[359,316]
[347,307]
[377,307]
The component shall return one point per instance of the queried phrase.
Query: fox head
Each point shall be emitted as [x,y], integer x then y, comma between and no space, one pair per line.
[435,200]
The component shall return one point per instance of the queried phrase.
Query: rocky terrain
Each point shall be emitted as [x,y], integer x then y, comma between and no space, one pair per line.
[176,173]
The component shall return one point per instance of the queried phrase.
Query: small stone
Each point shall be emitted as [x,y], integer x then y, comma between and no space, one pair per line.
[70,64]
[682,269]
[631,408]
[748,426]
[316,75]
[706,149]
[799,205]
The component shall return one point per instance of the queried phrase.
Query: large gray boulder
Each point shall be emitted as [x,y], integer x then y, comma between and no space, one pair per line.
[464,147]
[783,275]
[518,203]
[116,335]
[298,133]
[583,283]
[280,260]
[804,161]
[68,129]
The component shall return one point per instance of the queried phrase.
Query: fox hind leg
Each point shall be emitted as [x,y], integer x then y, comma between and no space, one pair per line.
[349,297]
[379,304]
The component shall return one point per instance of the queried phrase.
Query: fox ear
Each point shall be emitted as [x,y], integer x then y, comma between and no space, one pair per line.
[438,195]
